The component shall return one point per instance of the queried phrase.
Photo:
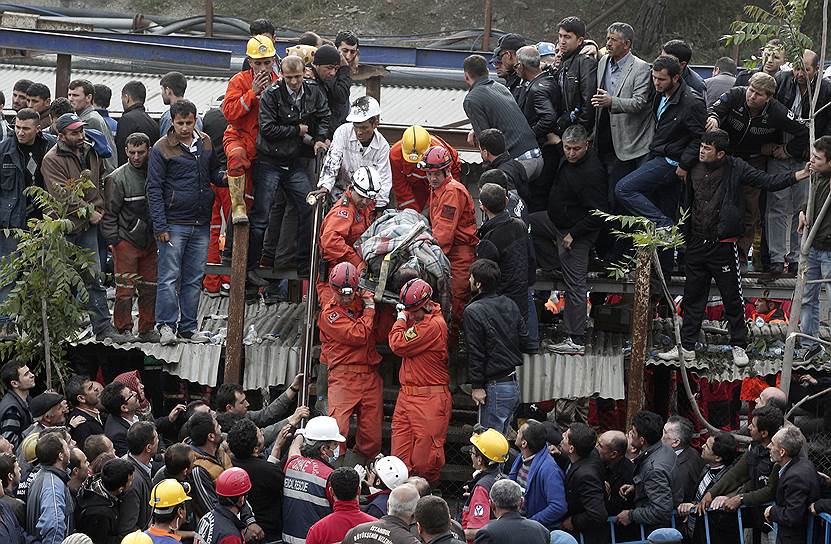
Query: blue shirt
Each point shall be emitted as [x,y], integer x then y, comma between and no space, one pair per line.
[613,71]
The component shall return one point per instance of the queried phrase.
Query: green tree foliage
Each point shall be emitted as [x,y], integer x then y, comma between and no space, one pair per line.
[784,20]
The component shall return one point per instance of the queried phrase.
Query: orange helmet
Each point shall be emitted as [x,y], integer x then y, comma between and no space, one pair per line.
[436,158]
[415,294]
[344,278]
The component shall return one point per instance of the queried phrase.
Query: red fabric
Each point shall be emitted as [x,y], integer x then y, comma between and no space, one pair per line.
[452,217]
[422,347]
[221,209]
[358,393]
[133,381]
[241,108]
[409,182]
[419,430]
[332,528]
[341,228]
[128,259]
[461,259]
[478,513]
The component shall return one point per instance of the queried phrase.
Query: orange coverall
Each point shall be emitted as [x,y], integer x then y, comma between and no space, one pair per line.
[341,228]
[453,221]
[422,411]
[347,340]
[221,212]
[408,180]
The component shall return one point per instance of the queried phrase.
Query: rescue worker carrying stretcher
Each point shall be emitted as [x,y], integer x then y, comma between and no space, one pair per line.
[422,411]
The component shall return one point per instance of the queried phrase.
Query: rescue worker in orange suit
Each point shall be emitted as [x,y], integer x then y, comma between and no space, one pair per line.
[422,411]
[453,221]
[347,341]
[241,108]
[409,182]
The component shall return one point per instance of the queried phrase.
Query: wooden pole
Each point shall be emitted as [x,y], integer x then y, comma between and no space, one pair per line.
[641,319]
[373,88]
[209,18]
[63,73]
[47,346]
[236,305]
[486,33]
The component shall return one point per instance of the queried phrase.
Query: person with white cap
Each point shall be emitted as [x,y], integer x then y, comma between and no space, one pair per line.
[357,143]
[307,496]
[391,473]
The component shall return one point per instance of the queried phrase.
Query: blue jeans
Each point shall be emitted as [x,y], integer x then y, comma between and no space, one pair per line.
[182,261]
[652,191]
[99,312]
[501,401]
[296,184]
[818,267]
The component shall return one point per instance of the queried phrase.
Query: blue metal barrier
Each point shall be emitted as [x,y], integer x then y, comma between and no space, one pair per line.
[825,521]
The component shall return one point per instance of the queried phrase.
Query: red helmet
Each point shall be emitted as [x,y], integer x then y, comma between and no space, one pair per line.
[344,278]
[436,158]
[233,482]
[415,294]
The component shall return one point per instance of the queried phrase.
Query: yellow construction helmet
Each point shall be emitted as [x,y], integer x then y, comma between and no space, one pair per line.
[305,52]
[28,447]
[168,494]
[415,143]
[260,47]
[137,537]
[492,444]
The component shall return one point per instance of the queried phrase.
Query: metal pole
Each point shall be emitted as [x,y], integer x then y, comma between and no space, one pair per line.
[236,305]
[209,18]
[486,33]
[63,74]
[641,320]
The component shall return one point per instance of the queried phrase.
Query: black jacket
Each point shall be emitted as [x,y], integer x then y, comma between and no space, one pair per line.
[266,494]
[585,499]
[748,134]
[693,80]
[96,513]
[279,140]
[678,131]
[512,527]
[134,512]
[496,338]
[539,102]
[578,190]
[15,208]
[798,487]
[337,95]
[219,524]
[504,240]
[82,431]
[134,119]
[116,428]
[514,84]
[688,474]
[737,173]
[577,78]
[618,475]
[786,89]
[388,527]
[517,177]
[214,124]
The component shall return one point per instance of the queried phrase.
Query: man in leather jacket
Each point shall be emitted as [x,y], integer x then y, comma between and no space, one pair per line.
[576,75]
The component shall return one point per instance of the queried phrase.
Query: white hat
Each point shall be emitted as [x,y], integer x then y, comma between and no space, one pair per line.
[363,108]
[323,429]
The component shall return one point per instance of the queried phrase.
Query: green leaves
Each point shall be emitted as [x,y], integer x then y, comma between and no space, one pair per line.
[783,21]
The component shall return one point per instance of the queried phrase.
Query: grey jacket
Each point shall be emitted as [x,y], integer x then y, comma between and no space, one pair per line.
[716,86]
[630,115]
[50,508]
[134,511]
[654,473]
[273,417]
[489,104]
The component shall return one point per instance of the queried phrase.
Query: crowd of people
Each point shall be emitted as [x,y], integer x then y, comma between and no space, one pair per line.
[574,129]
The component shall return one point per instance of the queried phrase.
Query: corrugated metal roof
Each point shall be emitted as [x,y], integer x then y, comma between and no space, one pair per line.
[430,107]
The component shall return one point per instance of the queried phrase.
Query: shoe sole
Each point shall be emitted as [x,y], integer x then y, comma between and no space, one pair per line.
[566,352]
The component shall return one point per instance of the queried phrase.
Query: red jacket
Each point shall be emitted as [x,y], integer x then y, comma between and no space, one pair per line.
[452,216]
[347,335]
[406,174]
[241,107]
[422,347]
[341,228]
[332,528]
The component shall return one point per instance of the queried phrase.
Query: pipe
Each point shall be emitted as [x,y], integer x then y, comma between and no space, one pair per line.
[97,22]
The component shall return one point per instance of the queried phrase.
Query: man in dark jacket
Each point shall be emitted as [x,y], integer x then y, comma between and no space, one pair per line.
[580,189]
[714,196]
[294,124]
[619,471]
[683,52]
[510,526]
[134,118]
[576,75]
[121,404]
[222,525]
[49,504]
[798,488]
[678,434]
[127,229]
[495,156]
[584,485]
[756,123]
[96,512]
[182,168]
[496,338]
[15,413]
[84,395]
[505,61]
[395,526]
[135,510]
[332,73]
[432,516]
[654,189]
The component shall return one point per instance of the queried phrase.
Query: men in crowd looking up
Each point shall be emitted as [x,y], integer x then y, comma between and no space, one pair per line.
[84,395]
[173,86]
[409,182]
[134,119]
[121,403]
[81,95]
[678,435]
[135,510]
[49,409]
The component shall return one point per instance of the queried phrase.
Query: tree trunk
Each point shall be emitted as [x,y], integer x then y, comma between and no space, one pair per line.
[650,23]
[47,345]
[641,320]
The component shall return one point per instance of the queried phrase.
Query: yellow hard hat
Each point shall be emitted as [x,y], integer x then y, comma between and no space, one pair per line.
[137,537]
[28,447]
[415,143]
[167,494]
[492,444]
[305,52]
[260,47]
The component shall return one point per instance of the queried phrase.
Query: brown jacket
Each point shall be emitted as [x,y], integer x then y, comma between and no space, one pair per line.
[60,165]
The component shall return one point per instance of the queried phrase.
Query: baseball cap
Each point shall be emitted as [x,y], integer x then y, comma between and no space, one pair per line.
[44,402]
[69,121]
[510,42]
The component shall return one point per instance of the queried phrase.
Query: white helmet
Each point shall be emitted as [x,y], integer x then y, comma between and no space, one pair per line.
[366,181]
[363,108]
[323,429]
[392,471]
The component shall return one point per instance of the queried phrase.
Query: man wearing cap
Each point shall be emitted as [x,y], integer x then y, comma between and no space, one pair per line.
[422,411]
[488,450]
[49,409]
[168,500]
[409,182]
[505,60]
[222,525]
[347,338]
[71,159]
[358,143]
[333,73]
[241,108]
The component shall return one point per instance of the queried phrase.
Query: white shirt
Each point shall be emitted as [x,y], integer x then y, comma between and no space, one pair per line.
[347,154]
